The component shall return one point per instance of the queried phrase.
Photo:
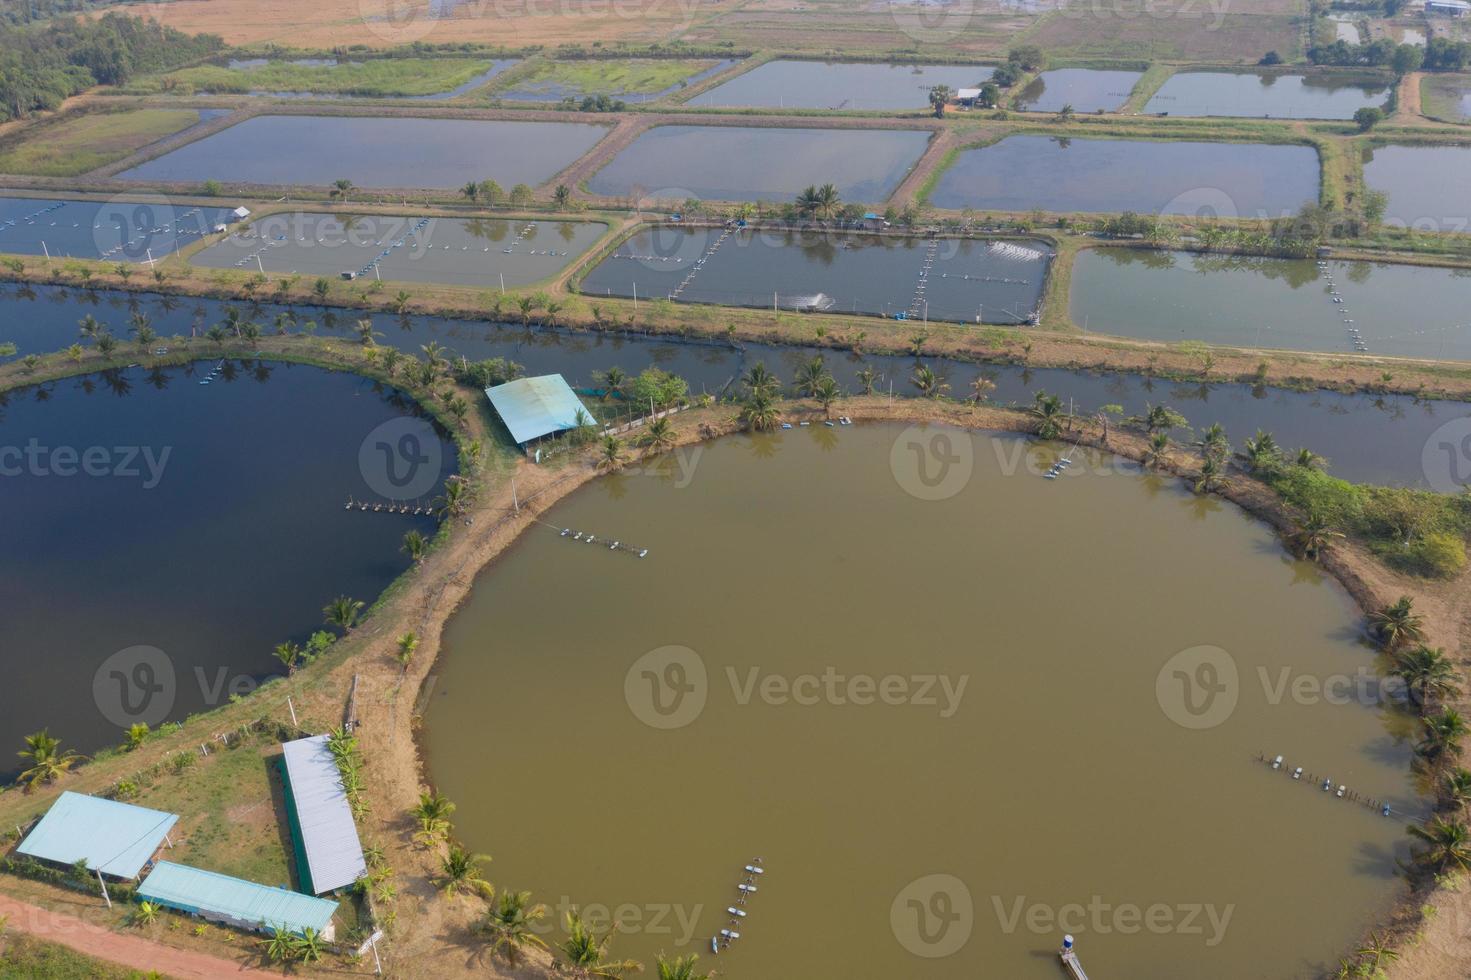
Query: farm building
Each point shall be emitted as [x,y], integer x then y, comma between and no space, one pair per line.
[329,854]
[115,839]
[535,407]
[236,902]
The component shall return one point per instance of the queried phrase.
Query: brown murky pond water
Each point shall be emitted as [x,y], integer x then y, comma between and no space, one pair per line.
[956,708]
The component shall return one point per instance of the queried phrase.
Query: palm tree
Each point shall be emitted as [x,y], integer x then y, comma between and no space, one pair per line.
[1158,418]
[1443,734]
[432,812]
[659,436]
[827,202]
[366,333]
[1313,535]
[401,301]
[342,612]
[866,378]
[526,305]
[930,384]
[1448,844]
[341,188]
[471,190]
[562,197]
[1310,460]
[980,389]
[758,413]
[89,326]
[1378,950]
[47,762]
[456,497]
[407,644]
[1210,475]
[1262,454]
[461,869]
[289,654]
[760,381]
[809,375]
[1213,443]
[416,546]
[1428,675]
[1046,411]
[827,392]
[682,968]
[1397,624]
[585,952]
[1458,787]
[614,381]
[510,922]
[1156,454]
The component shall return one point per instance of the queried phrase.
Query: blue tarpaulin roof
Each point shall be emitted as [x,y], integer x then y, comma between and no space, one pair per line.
[114,838]
[535,407]
[211,894]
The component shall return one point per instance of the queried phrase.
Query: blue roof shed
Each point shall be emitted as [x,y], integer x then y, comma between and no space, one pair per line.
[114,838]
[536,407]
[235,901]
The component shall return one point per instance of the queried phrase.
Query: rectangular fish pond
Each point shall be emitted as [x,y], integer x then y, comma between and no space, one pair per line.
[1429,187]
[115,230]
[386,151]
[754,163]
[1085,89]
[626,79]
[1022,173]
[964,281]
[451,251]
[1266,94]
[1290,304]
[840,85]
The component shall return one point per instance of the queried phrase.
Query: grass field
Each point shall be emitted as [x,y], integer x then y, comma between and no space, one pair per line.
[377,77]
[1441,97]
[25,958]
[84,143]
[635,76]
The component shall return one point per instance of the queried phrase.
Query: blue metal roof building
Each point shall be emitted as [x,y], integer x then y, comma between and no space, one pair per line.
[536,407]
[236,902]
[329,854]
[117,839]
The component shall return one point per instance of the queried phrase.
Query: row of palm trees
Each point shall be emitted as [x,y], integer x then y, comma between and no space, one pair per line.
[510,924]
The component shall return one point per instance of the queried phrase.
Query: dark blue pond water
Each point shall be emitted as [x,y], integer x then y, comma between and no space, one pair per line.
[205,522]
[1370,438]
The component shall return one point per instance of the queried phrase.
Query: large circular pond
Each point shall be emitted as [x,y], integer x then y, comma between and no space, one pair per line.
[956,708]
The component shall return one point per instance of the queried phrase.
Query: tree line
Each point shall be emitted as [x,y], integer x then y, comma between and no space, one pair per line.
[40,66]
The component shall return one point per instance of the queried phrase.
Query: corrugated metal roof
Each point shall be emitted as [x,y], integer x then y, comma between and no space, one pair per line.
[324,825]
[535,407]
[211,893]
[114,838]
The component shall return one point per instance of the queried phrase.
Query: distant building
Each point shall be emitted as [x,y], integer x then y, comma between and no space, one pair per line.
[967,96]
[535,407]
[1448,8]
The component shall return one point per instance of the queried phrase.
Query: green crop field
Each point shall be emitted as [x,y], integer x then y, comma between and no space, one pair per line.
[84,143]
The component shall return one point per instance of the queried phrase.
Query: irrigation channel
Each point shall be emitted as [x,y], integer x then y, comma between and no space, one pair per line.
[1366,437]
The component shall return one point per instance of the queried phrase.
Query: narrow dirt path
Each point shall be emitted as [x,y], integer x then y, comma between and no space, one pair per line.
[933,155]
[101,942]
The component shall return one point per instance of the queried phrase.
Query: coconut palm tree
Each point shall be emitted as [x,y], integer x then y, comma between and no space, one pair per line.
[866,378]
[827,392]
[47,761]
[1210,475]
[1457,787]
[342,612]
[1213,443]
[659,436]
[471,190]
[758,413]
[416,546]
[289,654]
[1158,418]
[407,644]
[1443,734]
[930,384]
[1262,454]
[1428,674]
[1376,950]
[1156,454]
[1046,411]
[584,953]
[432,812]
[760,381]
[461,869]
[456,497]
[681,968]
[809,375]
[509,924]
[341,188]
[1313,535]
[89,327]
[610,454]
[1447,845]
[614,381]
[1309,460]
[980,389]
[1397,624]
